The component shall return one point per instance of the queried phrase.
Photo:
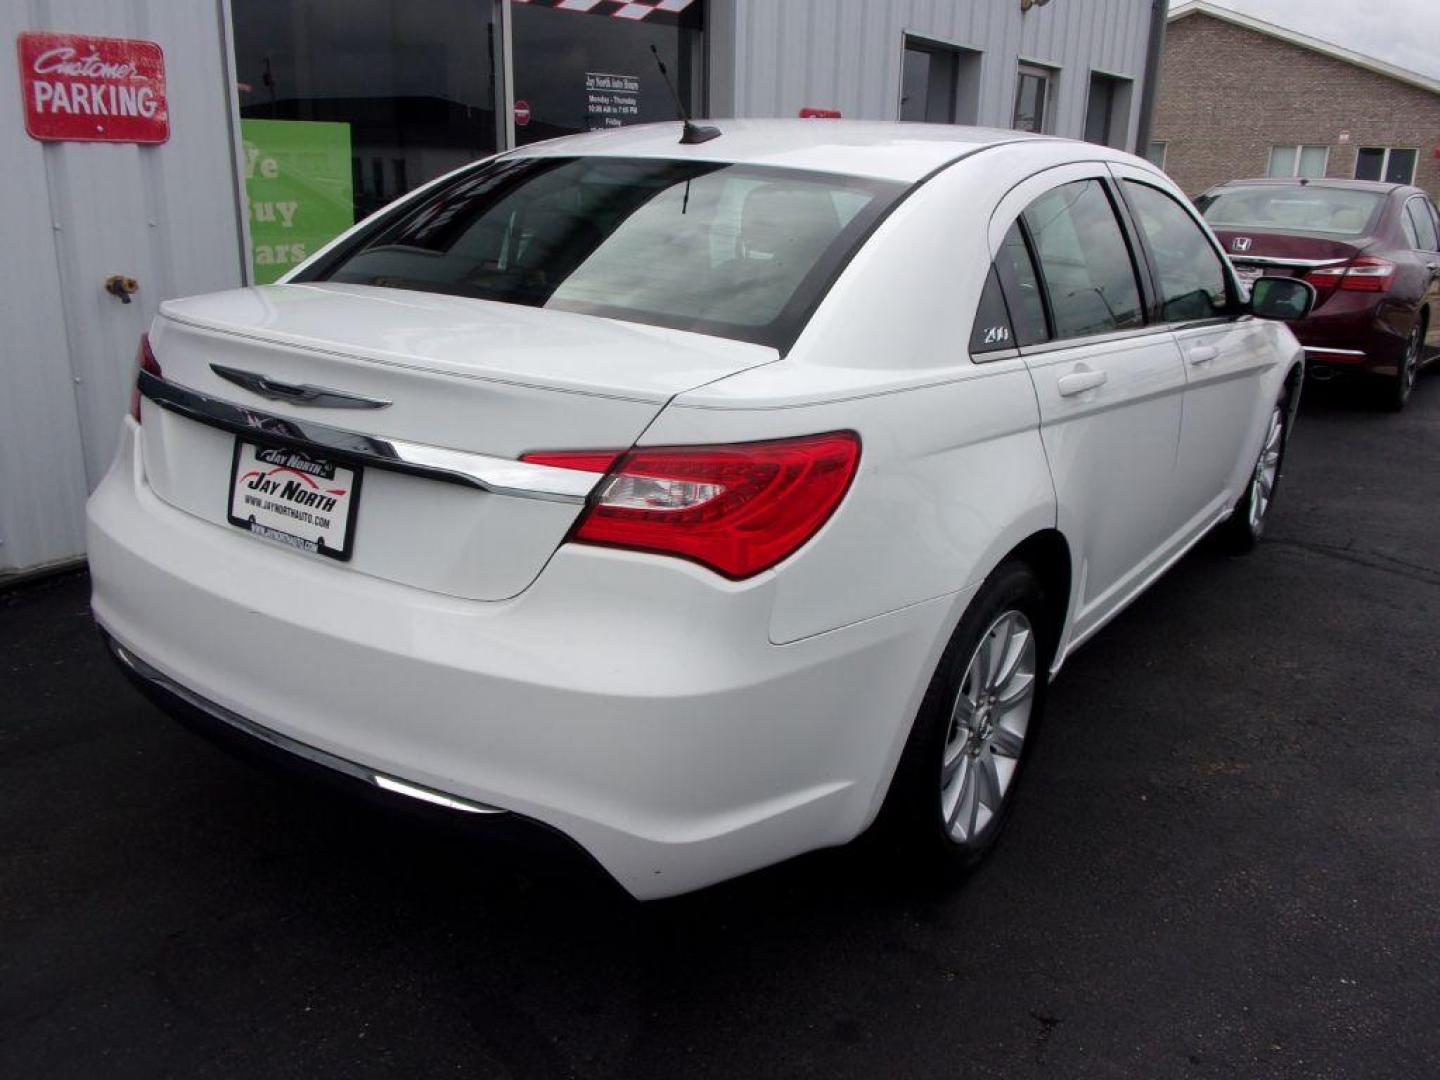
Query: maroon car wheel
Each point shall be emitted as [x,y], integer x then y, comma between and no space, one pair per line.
[1398,391]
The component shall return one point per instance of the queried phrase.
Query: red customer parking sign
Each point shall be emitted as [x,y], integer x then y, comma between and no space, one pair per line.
[78,88]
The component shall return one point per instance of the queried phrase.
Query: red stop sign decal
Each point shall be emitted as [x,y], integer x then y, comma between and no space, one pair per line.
[522,113]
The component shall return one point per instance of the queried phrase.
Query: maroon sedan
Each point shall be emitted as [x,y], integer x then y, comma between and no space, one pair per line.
[1369,249]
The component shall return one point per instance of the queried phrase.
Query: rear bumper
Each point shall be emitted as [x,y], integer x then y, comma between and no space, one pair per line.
[499,831]
[1354,333]
[633,704]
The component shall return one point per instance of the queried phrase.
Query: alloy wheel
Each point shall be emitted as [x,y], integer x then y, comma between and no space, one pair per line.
[1412,362]
[988,722]
[1267,468]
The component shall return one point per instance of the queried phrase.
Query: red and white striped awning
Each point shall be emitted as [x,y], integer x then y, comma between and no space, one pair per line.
[635,10]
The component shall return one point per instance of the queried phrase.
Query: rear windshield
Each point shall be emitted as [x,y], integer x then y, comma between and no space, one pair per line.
[1339,211]
[731,250]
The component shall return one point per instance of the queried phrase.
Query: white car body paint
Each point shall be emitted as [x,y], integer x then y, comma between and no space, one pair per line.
[682,727]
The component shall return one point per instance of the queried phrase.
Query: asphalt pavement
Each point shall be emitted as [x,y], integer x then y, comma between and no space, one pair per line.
[1225,863]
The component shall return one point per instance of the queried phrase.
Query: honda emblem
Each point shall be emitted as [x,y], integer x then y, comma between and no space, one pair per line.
[1240,243]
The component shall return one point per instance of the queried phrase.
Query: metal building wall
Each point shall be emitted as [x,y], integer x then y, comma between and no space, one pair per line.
[73,213]
[846,54]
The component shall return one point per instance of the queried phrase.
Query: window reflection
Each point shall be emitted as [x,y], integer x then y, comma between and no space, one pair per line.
[725,249]
[588,70]
[347,104]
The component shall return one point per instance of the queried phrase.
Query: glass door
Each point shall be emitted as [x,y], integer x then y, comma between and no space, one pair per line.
[347,104]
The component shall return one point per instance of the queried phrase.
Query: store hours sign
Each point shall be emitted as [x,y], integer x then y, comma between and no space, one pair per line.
[78,88]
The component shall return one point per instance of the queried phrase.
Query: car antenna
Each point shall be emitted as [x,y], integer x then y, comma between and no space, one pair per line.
[693,132]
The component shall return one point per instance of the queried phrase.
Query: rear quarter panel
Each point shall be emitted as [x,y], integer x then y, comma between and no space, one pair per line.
[953,474]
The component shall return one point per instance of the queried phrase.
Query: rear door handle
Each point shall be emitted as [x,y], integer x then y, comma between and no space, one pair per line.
[1080,380]
[1202,354]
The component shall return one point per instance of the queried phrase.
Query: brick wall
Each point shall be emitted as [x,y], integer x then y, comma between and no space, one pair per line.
[1228,94]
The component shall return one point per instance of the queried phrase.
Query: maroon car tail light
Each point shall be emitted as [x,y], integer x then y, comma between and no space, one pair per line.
[737,508]
[1366,273]
[144,361]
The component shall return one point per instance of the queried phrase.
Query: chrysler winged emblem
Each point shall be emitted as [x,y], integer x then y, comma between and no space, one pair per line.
[320,397]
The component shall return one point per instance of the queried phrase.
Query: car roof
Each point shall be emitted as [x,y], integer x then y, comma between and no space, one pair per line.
[882,150]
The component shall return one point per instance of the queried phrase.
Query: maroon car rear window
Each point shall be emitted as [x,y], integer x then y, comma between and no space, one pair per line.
[1337,211]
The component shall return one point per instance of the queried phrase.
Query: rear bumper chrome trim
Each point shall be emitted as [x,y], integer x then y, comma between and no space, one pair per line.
[499,476]
[142,671]
[1333,352]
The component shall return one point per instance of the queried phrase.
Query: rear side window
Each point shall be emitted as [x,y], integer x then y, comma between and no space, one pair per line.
[736,251]
[1191,276]
[1407,226]
[1423,223]
[1084,260]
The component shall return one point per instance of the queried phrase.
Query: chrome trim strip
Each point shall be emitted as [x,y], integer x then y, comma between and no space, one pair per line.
[498,476]
[293,746]
[321,397]
[1297,264]
[1040,348]
[1333,352]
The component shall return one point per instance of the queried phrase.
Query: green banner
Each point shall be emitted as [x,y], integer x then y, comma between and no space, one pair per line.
[297,191]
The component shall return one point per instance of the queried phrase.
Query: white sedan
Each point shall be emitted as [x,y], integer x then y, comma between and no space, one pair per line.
[707,504]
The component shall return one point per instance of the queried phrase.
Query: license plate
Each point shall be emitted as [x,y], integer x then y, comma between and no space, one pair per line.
[294,498]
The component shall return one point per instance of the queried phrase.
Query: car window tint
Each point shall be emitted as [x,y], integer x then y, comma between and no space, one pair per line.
[1191,275]
[1407,226]
[1017,276]
[1424,224]
[736,251]
[1291,208]
[1084,260]
[991,330]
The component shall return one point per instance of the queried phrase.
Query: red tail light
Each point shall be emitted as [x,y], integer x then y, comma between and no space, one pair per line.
[144,361]
[1367,273]
[738,509]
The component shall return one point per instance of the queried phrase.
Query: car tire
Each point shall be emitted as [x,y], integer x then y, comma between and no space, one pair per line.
[955,784]
[1241,531]
[1396,394]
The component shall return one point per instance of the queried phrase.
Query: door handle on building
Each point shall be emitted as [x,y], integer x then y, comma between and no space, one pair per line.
[1081,379]
[1202,354]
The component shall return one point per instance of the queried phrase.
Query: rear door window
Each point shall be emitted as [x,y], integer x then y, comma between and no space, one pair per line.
[1084,260]
[1191,277]
[1422,223]
[1023,294]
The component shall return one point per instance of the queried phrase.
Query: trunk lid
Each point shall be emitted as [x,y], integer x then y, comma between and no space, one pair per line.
[1288,254]
[459,374]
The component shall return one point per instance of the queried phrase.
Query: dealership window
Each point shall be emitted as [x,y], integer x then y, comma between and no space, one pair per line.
[1032,98]
[1156,154]
[939,84]
[589,66]
[1308,161]
[1394,166]
[346,104]
[1107,110]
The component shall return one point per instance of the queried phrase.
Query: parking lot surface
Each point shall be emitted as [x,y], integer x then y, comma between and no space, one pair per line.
[1225,862]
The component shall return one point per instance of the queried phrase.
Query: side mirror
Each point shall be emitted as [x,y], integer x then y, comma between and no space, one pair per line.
[1281,298]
